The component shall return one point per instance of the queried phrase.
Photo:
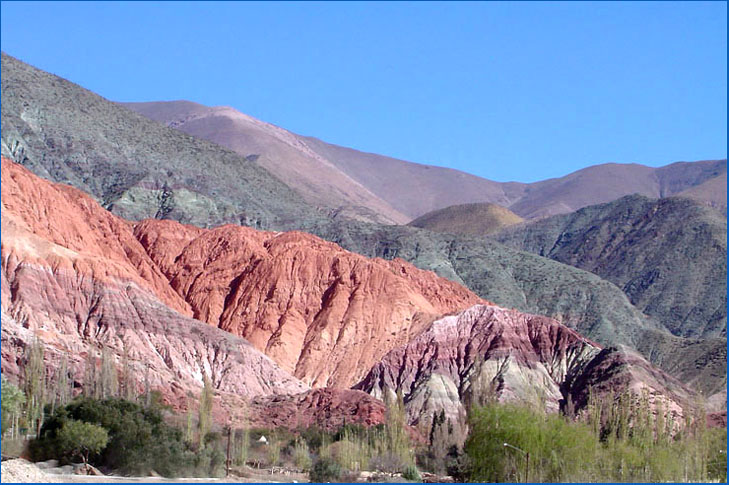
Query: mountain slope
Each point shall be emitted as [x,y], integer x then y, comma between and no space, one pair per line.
[278,151]
[79,277]
[74,276]
[322,313]
[319,170]
[487,352]
[668,255]
[472,219]
[712,192]
[607,182]
[40,111]
[581,300]
[130,164]
[318,311]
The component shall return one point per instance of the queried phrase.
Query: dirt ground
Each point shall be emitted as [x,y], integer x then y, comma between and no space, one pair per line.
[22,471]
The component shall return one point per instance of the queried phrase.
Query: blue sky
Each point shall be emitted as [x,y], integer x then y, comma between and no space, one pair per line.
[507,91]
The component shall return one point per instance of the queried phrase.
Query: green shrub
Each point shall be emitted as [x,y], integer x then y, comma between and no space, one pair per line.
[411,473]
[139,439]
[302,458]
[76,438]
[325,470]
[562,450]
[558,450]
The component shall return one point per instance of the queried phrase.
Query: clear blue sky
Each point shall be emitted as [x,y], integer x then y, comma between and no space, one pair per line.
[508,91]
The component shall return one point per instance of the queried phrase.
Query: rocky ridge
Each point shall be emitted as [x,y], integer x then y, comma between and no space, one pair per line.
[488,352]
[398,188]
[322,313]
[644,246]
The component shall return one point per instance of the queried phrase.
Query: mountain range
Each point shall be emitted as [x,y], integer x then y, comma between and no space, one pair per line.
[397,191]
[255,244]
[82,279]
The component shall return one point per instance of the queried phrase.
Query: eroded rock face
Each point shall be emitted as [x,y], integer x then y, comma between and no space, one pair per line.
[324,314]
[511,356]
[75,276]
[526,356]
[325,408]
[85,277]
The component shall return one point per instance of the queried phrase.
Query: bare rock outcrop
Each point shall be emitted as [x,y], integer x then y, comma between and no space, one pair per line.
[488,351]
[325,408]
[80,277]
[74,276]
[323,313]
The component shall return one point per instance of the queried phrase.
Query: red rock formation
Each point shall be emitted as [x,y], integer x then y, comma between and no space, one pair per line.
[514,357]
[76,272]
[75,276]
[323,313]
[325,408]
[43,222]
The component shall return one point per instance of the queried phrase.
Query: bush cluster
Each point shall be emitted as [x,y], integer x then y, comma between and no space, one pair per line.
[139,440]
[564,450]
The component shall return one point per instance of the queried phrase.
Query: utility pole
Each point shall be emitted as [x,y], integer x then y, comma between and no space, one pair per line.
[227,460]
[526,474]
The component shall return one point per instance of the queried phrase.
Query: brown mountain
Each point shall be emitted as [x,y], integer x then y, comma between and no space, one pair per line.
[712,192]
[604,183]
[279,151]
[384,189]
[473,219]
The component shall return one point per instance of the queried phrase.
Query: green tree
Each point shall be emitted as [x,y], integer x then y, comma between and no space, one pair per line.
[396,429]
[139,439]
[108,380]
[91,387]
[35,383]
[76,438]
[62,383]
[127,377]
[558,450]
[205,411]
[13,400]
[273,450]
[325,470]
[302,458]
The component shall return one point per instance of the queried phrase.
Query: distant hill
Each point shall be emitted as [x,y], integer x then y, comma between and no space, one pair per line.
[474,219]
[132,165]
[279,151]
[604,183]
[712,192]
[378,188]
[668,255]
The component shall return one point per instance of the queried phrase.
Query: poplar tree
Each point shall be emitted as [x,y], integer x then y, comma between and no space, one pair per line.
[205,410]
[108,381]
[127,378]
[62,382]
[35,383]
[395,428]
[90,375]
